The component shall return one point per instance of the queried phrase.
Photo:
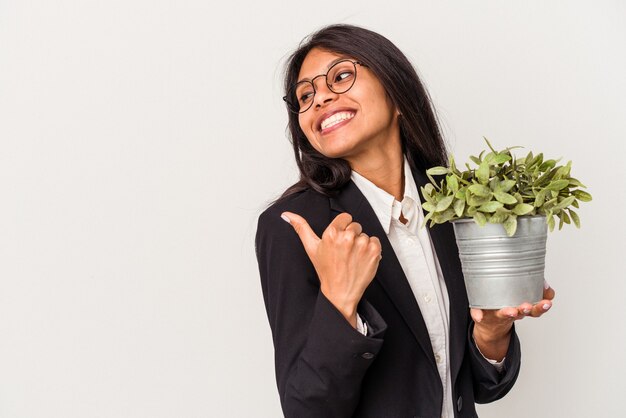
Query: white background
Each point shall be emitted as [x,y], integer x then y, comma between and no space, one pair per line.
[139,141]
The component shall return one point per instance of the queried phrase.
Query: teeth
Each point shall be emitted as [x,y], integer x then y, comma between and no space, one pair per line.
[336,118]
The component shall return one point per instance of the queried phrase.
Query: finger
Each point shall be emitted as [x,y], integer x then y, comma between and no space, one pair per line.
[540,308]
[375,247]
[548,292]
[507,313]
[341,221]
[477,314]
[308,237]
[355,227]
[362,241]
[525,309]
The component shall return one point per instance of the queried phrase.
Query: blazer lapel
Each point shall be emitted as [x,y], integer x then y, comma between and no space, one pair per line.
[390,275]
[447,251]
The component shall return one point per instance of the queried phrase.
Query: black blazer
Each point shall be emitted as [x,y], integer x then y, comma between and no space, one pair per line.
[324,367]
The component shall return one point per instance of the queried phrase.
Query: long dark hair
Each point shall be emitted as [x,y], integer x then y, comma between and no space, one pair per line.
[420,135]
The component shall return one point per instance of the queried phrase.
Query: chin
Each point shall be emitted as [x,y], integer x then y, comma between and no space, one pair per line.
[336,149]
[334,153]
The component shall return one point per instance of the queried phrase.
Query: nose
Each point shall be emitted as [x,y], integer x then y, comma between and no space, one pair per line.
[323,94]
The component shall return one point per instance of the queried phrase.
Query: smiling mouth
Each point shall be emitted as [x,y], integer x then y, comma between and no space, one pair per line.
[335,119]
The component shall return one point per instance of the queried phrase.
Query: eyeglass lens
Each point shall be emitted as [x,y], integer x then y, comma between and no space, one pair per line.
[339,79]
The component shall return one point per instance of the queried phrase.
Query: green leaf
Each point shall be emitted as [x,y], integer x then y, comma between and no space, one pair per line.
[426,219]
[459,206]
[444,203]
[547,165]
[540,198]
[480,190]
[551,203]
[489,144]
[501,158]
[447,215]
[494,183]
[498,218]
[429,207]
[575,218]
[565,203]
[451,163]
[476,160]
[582,195]
[504,211]
[437,171]
[506,185]
[550,222]
[528,158]
[490,207]
[482,174]
[433,182]
[565,170]
[537,160]
[453,183]
[427,194]
[557,185]
[523,209]
[480,219]
[460,194]
[510,225]
[474,200]
[545,178]
[505,198]
[575,183]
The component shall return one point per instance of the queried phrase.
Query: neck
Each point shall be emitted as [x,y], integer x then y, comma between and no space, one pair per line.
[385,170]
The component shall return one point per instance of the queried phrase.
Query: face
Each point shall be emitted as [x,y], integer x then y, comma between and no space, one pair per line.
[352,125]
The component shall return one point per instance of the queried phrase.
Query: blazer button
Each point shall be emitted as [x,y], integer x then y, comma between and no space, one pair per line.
[459,403]
[367,356]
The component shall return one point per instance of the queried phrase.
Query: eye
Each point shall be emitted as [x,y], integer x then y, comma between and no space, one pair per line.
[305,97]
[304,92]
[343,76]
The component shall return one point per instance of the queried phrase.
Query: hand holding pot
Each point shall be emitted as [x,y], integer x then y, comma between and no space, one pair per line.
[492,328]
[344,258]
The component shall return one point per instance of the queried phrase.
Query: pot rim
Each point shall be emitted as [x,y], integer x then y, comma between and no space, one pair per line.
[462,220]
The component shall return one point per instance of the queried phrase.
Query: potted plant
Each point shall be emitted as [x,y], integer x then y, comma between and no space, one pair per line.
[501,211]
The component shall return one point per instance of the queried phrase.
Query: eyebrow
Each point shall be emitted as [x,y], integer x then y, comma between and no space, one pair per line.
[330,64]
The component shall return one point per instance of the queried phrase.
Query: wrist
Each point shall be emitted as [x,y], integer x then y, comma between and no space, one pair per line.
[347,307]
[489,335]
[493,345]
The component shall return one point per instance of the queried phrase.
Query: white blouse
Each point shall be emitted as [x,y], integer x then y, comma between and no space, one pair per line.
[413,247]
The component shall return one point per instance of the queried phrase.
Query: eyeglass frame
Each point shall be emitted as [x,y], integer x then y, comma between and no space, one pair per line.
[312,82]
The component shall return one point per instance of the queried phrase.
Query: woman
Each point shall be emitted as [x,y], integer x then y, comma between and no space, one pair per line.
[368,311]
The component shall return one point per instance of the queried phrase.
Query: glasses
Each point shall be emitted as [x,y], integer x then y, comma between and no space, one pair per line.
[340,78]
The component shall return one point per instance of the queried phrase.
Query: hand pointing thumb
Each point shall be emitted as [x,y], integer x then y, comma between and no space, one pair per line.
[345,259]
[308,237]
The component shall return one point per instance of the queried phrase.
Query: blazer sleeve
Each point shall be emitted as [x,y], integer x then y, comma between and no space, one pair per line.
[320,359]
[489,384]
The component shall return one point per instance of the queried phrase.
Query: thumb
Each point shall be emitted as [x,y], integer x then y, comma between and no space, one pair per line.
[308,237]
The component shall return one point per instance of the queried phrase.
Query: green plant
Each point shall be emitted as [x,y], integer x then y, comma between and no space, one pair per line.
[501,188]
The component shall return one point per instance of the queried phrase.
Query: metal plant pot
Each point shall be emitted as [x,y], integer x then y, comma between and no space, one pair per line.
[500,270]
